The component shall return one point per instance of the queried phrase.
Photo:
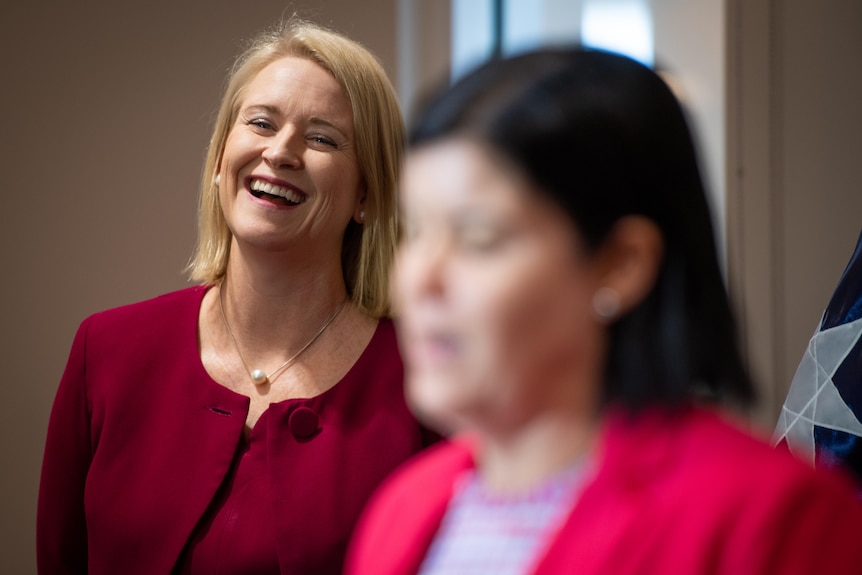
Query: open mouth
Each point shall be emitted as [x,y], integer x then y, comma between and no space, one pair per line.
[431,349]
[278,195]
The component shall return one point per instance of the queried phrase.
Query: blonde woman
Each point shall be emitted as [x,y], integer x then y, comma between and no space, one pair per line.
[238,426]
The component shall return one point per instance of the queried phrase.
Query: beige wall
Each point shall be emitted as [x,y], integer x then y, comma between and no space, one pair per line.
[106,110]
[794,173]
[690,46]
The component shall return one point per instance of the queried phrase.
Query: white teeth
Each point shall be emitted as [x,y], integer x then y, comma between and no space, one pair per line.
[273,190]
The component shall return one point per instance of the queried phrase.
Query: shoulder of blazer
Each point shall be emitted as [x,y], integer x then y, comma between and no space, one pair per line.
[400,521]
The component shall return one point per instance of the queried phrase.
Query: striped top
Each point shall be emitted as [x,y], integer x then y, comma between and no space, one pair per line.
[500,534]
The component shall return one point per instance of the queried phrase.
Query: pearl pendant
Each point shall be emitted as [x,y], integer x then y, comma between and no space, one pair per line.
[259,376]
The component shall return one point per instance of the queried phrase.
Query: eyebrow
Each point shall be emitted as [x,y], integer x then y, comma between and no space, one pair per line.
[314,120]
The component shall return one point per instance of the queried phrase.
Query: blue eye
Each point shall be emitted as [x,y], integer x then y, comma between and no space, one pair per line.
[323,140]
[262,124]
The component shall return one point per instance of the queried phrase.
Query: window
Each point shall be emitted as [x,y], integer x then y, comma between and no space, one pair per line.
[484,28]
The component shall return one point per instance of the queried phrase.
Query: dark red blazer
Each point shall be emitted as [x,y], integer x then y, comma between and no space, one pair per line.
[673,495]
[140,438]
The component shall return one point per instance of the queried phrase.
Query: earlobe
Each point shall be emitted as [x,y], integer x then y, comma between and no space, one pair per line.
[359,212]
[630,260]
[606,304]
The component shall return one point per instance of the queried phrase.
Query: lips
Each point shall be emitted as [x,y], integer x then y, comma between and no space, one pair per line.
[433,349]
[279,195]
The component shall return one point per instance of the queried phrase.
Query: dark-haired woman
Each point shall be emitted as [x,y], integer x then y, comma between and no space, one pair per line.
[563,315]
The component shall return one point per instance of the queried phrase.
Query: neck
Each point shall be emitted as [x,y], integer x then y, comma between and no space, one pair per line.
[545,445]
[273,312]
[277,293]
[274,275]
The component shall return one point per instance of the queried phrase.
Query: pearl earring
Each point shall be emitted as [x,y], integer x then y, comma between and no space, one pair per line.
[606,303]
[217,180]
[362,216]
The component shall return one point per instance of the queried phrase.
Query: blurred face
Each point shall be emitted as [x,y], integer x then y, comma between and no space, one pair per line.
[493,293]
[289,170]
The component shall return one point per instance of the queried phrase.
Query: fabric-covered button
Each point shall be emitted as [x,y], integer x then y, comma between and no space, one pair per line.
[304,423]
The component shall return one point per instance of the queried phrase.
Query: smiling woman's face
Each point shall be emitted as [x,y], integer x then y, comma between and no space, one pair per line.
[289,169]
[494,295]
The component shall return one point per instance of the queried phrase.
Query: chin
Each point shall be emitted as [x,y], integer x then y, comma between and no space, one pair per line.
[432,407]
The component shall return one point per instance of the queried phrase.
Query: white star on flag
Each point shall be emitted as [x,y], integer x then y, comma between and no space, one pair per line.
[813,399]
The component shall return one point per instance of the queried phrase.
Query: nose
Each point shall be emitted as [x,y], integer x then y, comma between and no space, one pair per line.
[283,150]
[421,268]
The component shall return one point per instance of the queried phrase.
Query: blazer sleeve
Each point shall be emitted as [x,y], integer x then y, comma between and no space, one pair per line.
[815,528]
[61,529]
[402,517]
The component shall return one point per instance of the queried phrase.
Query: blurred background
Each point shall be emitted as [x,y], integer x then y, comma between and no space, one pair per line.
[107,106]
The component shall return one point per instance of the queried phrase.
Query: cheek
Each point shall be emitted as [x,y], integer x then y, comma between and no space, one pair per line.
[536,326]
[336,182]
[242,151]
[336,168]
[227,181]
[409,279]
[226,186]
[235,149]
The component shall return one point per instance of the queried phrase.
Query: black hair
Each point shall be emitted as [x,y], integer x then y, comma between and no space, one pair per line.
[604,137]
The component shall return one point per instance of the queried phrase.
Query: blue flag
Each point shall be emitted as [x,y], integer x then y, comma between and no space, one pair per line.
[820,419]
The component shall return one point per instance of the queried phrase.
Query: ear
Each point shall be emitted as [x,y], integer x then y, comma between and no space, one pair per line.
[359,212]
[627,265]
[217,174]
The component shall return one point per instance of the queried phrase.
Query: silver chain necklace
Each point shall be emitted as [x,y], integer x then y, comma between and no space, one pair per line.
[259,376]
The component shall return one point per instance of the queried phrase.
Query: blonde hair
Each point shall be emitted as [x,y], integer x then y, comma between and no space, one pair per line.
[368,249]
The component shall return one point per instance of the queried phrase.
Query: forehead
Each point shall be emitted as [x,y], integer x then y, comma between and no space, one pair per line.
[292,82]
[459,170]
[458,179]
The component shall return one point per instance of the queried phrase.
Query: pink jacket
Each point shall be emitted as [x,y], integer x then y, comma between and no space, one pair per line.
[673,495]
